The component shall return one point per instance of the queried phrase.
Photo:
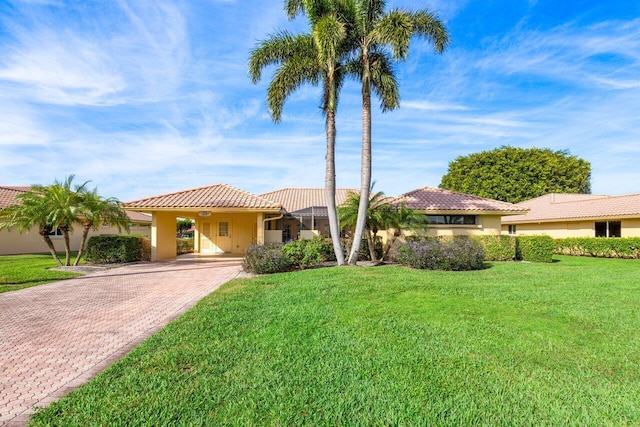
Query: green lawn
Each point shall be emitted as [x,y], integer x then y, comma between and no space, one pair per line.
[24,271]
[515,344]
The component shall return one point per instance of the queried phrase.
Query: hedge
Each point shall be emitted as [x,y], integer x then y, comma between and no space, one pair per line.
[457,253]
[535,248]
[117,249]
[601,247]
[267,258]
[497,247]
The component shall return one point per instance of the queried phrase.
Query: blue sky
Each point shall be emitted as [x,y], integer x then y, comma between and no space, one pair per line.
[148,97]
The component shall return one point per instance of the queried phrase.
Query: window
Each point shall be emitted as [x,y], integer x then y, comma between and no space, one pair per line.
[223,229]
[453,219]
[56,233]
[512,229]
[608,229]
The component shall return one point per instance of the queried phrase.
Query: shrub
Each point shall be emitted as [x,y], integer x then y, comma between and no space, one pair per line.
[603,247]
[432,253]
[117,249]
[267,258]
[184,246]
[497,248]
[363,253]
[308,252]
[535,248]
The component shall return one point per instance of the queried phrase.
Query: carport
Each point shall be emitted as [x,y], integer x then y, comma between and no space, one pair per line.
[227,220]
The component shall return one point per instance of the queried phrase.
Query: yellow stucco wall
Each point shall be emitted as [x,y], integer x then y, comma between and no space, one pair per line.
[564,229]
[163,236]
[14,243]
[243,231]
[485,224]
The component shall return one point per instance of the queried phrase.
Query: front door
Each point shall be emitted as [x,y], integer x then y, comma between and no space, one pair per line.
[206,243]
[223,238]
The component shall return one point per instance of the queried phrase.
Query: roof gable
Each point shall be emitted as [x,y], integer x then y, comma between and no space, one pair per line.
[212,196]
[435,199]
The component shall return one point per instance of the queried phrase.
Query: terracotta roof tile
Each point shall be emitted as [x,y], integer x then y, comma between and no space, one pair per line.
[213,196]
[554,207]
[8,194]
[296,199]
[138,217]
[436,199]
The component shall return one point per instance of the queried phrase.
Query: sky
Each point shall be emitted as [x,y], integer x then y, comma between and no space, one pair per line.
[149,97]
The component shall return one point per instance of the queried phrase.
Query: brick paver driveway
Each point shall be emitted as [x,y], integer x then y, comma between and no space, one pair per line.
[55,337]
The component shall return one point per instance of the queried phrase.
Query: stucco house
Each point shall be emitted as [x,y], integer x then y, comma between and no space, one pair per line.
[12,242]
[577,215]
[229,220]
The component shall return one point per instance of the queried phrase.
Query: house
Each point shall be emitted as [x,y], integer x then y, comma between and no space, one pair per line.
[454,214]
[577,215]
[12,242]
[229,220]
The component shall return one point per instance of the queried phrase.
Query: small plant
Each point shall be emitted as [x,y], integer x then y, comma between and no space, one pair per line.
[432,253]
[267,258]
[306,253]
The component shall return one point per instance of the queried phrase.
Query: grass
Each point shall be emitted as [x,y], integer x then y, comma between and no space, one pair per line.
[515,344]
[24,271]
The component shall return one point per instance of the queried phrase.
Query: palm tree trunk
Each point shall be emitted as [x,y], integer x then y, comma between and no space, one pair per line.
[365,171]
[52,249]
[67,246]
[85,233]
[330,176]
[371,243]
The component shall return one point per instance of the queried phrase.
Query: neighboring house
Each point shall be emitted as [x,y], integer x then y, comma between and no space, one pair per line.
[578,215]
[12,242]
[304,213]
[455,214]
[229,220]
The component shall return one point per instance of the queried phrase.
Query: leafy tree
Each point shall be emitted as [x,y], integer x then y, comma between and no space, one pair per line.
[183,225]
[315,57]
[94,210]
[515,174]
[379,37]
[31,210]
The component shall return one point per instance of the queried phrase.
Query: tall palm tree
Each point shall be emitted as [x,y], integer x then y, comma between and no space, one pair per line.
[31,210]
[94,210]
[380,35]
[311,58]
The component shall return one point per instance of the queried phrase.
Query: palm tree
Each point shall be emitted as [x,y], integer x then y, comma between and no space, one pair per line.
[379,213]
[401,218]
[312,58]
[94,210]
[63,209]
[377,33]
[31,210]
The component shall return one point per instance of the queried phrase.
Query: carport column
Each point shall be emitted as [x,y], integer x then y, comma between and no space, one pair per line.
[260,232]
[163,236]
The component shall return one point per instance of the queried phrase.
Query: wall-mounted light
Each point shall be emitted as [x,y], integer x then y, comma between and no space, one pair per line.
[204,213]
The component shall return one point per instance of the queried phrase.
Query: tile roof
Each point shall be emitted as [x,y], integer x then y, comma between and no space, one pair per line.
[212,196]
[554,207]
[295,199]
[438,200]
[138,217]
[8,194]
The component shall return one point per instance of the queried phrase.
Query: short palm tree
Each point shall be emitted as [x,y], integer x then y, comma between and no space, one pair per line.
[379,36]
[31,210]
[93,210]
[311,58]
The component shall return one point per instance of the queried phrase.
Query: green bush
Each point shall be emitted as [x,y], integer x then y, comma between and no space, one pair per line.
[458,253]
[497,248]
[535,248]
[267,258]
[363,253]
[117,249]
[184,246]
[308,252]
[602,247]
